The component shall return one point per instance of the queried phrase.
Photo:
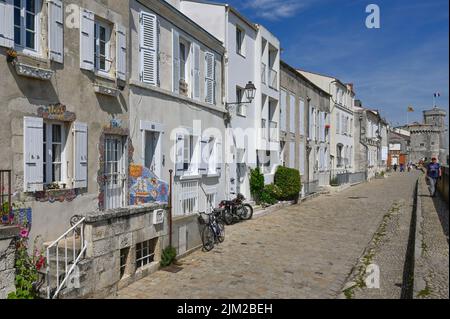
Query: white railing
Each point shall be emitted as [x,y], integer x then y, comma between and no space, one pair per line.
[263,73]
[75,233]
[187,198]
[264,129]
[273,127]
[273,79]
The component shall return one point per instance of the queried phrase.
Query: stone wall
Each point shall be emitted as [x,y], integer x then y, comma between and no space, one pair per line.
[107,234]
[7,259]
[442,185]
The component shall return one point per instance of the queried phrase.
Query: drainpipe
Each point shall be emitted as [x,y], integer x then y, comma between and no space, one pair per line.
[170,207]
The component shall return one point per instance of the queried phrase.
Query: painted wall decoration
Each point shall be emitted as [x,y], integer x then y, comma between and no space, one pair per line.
[18,216]
[56,112]
[63,195]
[145,187]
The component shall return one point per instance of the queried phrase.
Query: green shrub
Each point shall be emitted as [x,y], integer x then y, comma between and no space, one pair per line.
[289,182]
[274,191]
[256,184]
[267,197]
[168,256]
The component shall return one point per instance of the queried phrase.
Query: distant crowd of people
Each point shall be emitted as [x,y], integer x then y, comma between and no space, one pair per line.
[432,168]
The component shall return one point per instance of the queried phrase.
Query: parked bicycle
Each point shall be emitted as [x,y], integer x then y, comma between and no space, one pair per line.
[235,210]
[214,231]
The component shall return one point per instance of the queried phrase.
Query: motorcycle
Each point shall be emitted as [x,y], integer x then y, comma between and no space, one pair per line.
[235,210]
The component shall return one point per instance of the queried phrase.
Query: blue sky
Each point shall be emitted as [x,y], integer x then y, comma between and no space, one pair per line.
[403,63]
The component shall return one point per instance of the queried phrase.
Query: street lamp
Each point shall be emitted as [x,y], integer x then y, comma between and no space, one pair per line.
[250,92]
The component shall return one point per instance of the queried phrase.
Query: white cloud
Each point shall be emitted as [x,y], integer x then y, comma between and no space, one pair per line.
[277,9]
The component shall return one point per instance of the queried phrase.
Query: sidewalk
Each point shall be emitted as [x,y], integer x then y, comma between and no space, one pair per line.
[432,263]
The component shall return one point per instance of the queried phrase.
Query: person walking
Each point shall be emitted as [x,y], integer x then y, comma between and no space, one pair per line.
[395,167]
[434,172]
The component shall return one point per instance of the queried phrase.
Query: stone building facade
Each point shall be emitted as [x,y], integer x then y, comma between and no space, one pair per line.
[430,138]
[371,138]
[61,100]
[299,143]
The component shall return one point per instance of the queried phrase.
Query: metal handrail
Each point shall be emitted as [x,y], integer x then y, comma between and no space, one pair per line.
[76,259]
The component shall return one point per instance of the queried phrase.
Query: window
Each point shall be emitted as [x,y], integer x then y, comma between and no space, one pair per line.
[241,108]
[183,57]
[123,260]
[102,37]
[114,172]
[26,24]
[240,36]
[188,152]
[53,151]
[145,252]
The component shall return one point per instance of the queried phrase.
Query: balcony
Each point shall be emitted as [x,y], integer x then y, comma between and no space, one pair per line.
[274,133]
[273,79]
[263,73]
[264,129]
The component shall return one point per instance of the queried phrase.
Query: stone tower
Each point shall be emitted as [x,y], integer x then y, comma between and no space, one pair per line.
[436,117]
[430,139]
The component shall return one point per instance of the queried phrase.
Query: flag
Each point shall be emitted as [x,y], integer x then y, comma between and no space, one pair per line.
[410,109]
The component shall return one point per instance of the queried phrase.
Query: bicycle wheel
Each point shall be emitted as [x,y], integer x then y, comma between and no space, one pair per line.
[208,238]
[221,235]
[228,216]
[247,212]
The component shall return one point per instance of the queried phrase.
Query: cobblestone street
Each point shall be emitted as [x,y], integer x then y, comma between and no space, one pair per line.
[433,263]
[304,251]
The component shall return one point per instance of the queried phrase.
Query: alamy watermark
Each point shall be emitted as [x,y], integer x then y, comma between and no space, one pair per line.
[373,20]
[372,280]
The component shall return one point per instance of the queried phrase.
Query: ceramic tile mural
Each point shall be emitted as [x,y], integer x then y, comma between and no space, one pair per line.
[146,187]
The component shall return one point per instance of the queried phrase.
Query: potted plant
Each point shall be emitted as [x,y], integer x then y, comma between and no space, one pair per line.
[11,55]
[4,212]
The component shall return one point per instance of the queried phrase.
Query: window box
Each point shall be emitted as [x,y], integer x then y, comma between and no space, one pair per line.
[106,90]
[33,72]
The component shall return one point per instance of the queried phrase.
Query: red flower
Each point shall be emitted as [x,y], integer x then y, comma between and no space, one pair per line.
[40,263]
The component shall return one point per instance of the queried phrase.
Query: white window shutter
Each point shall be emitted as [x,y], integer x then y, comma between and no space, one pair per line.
[56,31]
[338,123]
[219,156]
[196,72]
[149,48]
[87,49]
[204,156]
[302,157]
[311,114]
[179,155]
[301,122]
[121,54]
[283,110]
[6,23]
[210,76]
[33,154]
[175,61]
[81,155]
[292,155]
[292,113]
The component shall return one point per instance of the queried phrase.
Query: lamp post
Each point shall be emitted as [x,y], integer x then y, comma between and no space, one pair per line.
[250,91]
